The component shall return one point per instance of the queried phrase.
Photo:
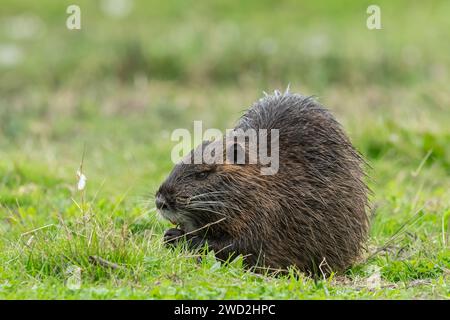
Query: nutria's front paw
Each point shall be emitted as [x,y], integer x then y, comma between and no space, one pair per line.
[173,236]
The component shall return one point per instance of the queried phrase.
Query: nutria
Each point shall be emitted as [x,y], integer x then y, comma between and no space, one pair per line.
[311,214]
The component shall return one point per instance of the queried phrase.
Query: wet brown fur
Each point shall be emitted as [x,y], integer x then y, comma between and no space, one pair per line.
[312,211]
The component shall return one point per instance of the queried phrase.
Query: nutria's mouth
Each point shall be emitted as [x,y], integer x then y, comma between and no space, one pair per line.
[169,215]
[177,219]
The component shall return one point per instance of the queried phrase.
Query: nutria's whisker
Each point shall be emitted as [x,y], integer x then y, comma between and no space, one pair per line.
[207,202]
[212,203]
[206,194]
[208,210]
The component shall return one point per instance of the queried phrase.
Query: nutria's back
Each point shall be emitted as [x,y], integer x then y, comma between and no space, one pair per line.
[311,213]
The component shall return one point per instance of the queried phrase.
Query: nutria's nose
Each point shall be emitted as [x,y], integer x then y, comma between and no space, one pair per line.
[161,202]
[164,201]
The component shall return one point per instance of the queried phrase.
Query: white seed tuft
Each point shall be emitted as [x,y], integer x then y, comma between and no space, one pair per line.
[81,180]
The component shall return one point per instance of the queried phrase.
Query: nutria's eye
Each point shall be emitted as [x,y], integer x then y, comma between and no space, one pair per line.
[201,175]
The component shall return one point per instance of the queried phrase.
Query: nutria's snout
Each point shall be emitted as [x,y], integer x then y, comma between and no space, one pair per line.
[166,204]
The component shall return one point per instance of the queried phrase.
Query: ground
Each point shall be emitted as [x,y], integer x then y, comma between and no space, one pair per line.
[118,87]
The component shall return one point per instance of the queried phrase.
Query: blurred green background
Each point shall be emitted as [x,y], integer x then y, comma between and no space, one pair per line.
[139,69]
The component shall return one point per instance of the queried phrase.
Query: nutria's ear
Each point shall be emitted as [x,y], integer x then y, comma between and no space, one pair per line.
[235,154]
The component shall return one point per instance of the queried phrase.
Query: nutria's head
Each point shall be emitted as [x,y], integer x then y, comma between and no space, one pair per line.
[194,195]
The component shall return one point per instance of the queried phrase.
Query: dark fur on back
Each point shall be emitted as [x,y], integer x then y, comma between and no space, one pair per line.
[311,213]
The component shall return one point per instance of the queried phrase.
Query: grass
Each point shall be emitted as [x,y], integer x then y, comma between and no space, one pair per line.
[121,86]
